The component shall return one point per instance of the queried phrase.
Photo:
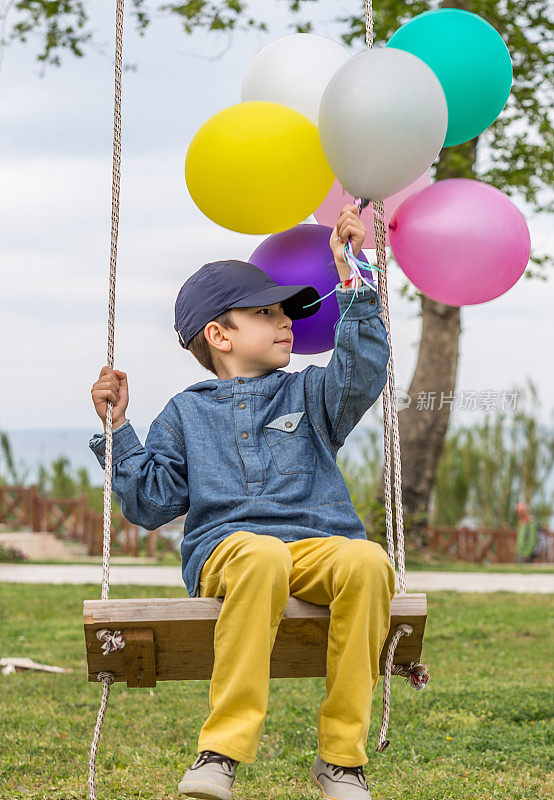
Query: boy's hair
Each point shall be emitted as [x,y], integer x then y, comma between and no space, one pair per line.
[200,348]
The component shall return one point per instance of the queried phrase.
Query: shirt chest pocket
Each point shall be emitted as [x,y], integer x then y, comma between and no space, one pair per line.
[290,443]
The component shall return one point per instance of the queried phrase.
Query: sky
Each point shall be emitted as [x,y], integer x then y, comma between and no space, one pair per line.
[55,205]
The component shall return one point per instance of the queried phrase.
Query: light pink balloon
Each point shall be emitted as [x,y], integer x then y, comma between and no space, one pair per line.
[328,212]
[460,241]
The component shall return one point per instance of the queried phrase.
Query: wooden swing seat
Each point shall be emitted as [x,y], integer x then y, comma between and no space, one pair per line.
[172,639]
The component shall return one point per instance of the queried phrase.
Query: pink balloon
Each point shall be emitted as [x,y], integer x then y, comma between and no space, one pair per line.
[460,241]
[329,210]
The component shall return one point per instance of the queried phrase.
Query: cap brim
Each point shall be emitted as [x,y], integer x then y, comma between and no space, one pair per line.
[296,298]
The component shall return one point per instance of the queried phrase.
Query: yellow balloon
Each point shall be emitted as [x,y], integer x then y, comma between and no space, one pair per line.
[257,167]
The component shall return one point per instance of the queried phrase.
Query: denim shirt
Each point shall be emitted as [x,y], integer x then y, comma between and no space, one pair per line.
[256,454]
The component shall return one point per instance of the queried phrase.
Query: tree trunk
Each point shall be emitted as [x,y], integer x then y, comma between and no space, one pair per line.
[423,425]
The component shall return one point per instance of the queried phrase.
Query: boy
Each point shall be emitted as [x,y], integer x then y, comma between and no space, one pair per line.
[251,456]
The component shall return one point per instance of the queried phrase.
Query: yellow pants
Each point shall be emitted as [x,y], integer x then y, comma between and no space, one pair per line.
[256,574]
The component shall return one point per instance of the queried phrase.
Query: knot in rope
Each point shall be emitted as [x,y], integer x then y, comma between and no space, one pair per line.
[416,674]
[111,640]
[107,678]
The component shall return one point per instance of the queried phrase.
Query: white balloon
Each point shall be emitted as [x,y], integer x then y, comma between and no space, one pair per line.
[382,121]
[294,71]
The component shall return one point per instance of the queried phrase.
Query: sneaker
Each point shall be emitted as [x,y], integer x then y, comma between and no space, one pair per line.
[339,783]
[210,777]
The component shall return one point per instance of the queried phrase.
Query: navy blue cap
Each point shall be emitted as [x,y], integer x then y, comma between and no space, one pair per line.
[221,285]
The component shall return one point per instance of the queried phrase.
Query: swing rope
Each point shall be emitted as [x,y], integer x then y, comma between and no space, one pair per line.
[107,678]
[416,674]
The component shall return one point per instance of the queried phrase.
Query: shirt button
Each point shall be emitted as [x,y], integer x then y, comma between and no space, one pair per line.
[244,435]
[242,405]
[288,424]
[240,380]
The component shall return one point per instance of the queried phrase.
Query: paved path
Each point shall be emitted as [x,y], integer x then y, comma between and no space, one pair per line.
[171,576]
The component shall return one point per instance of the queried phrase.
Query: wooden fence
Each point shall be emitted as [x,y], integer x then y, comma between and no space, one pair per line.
[495,545]
[72,519]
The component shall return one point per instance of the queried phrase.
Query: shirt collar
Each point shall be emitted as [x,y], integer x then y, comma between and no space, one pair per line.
[219,387]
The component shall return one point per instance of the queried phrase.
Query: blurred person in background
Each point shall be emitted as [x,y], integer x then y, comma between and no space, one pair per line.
[529,541]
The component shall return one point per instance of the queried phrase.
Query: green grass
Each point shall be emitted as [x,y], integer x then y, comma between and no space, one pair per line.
[481,729]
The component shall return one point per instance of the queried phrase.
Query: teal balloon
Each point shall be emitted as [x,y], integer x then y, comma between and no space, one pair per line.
[471,61]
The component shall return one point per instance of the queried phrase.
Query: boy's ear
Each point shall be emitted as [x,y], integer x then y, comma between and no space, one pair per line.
[215,335]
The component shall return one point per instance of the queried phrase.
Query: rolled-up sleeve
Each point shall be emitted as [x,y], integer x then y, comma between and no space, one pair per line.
[338,395]
[150,481]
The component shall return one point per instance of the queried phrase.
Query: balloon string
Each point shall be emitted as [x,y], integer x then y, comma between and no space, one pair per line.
[321,298]
[354,294]
[361,264]
[355,265]
[333,291]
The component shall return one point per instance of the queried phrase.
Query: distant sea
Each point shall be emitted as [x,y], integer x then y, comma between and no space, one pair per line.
[30,448]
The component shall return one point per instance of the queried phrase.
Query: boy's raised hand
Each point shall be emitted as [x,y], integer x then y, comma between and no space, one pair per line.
[111,385]
[348,226]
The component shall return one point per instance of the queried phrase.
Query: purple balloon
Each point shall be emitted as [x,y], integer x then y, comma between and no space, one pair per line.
[303,255]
